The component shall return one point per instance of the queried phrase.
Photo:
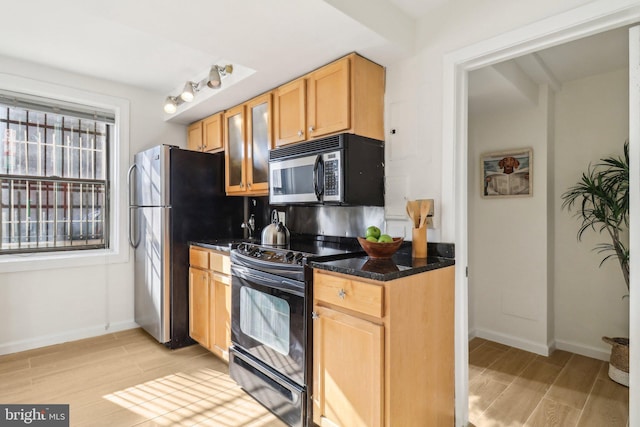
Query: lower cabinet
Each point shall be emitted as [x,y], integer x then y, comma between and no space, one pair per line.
[347,362]
[220,312]
[383,352]
[199,305]
[210,300]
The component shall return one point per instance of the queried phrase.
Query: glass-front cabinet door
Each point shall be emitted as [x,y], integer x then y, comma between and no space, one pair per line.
[235,150]
[259,140]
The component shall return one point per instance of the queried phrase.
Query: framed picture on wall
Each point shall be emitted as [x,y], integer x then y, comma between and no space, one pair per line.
[507,173]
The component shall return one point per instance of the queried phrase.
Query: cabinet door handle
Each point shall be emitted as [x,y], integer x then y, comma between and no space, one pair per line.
[342,294]
[241,184]
[249,186]
[314,315]
[311,129]
[300,133]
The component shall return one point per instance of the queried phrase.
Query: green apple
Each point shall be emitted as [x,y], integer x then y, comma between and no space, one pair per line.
[385,238]
[372,239]
[372,231]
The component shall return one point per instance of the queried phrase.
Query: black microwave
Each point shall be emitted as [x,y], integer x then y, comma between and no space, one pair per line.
[340,169]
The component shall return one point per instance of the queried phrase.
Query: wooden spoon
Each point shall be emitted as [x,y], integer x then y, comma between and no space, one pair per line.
[414,212]
[425,207]
[410,212]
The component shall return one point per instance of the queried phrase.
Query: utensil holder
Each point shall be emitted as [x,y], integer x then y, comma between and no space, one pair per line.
[419,242]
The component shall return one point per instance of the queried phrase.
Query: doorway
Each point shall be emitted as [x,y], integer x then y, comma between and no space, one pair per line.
[565,106]
[600,16]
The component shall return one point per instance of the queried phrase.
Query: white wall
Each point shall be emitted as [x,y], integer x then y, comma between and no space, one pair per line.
[561,297]
[414,99]
[46,306]
[592,121]
[508,262]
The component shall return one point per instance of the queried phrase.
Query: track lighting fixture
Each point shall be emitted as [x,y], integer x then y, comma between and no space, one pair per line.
[213,80]
[170,105]
[216,73]
[189,91]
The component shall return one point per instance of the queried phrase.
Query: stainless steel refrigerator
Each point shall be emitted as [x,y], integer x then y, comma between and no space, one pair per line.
[175,196]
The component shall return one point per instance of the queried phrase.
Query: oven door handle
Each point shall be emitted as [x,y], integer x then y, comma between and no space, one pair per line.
[280,284]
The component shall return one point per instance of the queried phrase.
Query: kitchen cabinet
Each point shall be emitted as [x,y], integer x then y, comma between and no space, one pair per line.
[248,138]
[199,305]
[194,136]
[383,351]
[210,299]
[206,135]
[344,96]
[290,112]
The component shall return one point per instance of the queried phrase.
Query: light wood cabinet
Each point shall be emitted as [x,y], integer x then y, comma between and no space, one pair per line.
[210,300]
[206,135]
[199,305]
[248,138]
[220,336]
[348,369]
[344,96]
[383,352]
[328,99]
[290,119]
[194,136]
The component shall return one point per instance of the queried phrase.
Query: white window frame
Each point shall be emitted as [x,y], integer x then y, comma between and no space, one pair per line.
[118,251]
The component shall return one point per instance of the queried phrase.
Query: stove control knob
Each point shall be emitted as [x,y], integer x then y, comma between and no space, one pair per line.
[289,257]
[298,258]
[242,248]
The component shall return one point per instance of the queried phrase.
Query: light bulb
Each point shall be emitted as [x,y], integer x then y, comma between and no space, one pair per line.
[170,105]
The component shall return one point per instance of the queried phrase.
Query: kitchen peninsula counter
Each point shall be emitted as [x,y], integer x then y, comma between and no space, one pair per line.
[393,319]
[385,269]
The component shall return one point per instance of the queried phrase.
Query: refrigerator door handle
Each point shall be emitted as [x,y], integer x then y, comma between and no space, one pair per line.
[133,212]
[129,173]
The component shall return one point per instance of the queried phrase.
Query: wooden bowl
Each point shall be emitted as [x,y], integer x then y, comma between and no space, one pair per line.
[380,250]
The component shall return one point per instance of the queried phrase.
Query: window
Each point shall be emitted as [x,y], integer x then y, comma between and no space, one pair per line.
[54,164]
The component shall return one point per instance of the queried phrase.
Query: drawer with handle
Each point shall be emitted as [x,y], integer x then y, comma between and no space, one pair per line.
[220,262]
[199,258]
[366,298]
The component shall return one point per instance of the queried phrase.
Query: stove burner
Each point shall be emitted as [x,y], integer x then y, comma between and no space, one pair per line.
[275,255]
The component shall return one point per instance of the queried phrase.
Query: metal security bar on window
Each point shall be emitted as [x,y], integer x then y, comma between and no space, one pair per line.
[53,186]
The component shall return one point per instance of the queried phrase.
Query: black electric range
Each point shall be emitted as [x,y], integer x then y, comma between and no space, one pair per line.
[271,328]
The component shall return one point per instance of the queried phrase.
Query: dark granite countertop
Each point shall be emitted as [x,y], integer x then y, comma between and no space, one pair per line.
[224,245]
[400,265]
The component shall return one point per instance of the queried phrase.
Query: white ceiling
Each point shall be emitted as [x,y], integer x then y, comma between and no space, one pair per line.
[158,45]
[498,87]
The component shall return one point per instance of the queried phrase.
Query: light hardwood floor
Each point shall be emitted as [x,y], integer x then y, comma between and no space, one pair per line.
[510,387]
[128,379]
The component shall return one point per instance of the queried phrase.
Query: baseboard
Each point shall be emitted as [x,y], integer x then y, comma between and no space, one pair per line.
[472,334]
[517,342]
[584,350]
[78,334]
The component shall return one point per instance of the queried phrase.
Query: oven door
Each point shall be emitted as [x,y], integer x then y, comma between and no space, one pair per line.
[268,320]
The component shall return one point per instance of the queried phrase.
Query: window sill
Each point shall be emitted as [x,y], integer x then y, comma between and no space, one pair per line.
[48,261]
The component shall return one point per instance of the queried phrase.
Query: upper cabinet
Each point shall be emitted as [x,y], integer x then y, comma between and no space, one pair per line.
[290,120]
[194,136]
[248,138]
[206,135]
[344,96]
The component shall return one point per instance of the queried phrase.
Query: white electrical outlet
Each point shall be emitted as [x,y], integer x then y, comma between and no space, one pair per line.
[281,218]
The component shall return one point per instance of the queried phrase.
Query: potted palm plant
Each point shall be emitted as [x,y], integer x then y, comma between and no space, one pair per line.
[601,201]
